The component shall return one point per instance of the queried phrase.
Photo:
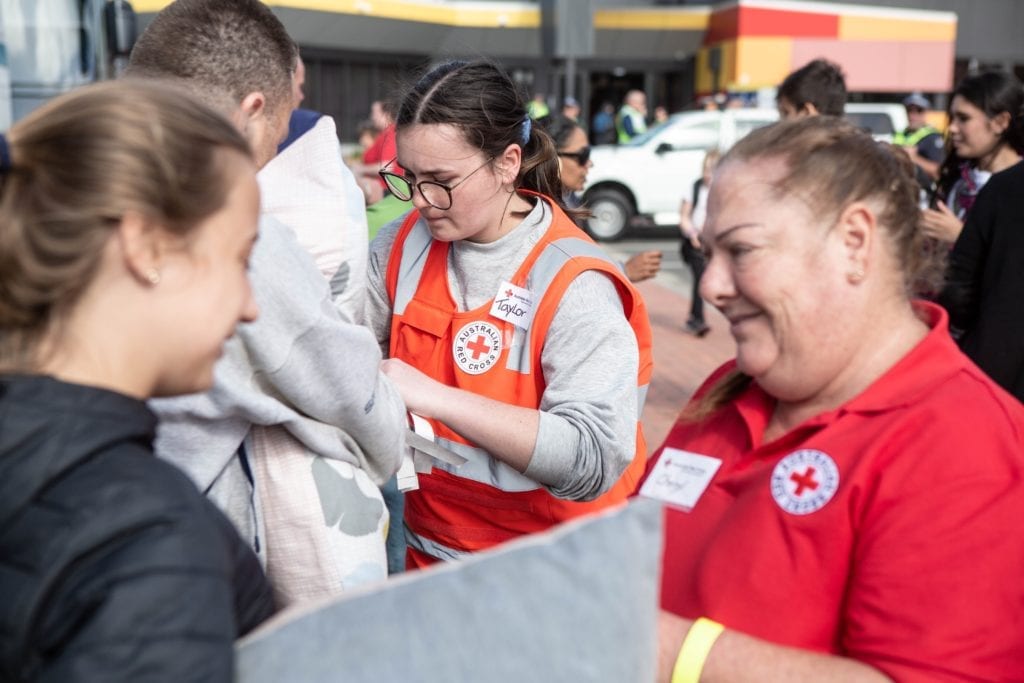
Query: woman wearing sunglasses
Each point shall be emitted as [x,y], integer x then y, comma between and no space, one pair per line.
[506,327]
[573,152]
[574,161]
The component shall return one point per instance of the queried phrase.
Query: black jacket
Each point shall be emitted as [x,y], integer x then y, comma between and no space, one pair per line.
[984,293]
[113,567]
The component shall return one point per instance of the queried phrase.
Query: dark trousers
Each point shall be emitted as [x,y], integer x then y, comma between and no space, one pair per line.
[694,258]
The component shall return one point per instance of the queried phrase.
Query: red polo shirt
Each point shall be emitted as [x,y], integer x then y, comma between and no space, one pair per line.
[383,150]
[906,552]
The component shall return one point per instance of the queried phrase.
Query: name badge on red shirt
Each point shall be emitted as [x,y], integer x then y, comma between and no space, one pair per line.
[680,478]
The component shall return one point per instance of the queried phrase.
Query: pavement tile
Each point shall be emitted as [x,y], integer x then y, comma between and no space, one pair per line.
[681,361]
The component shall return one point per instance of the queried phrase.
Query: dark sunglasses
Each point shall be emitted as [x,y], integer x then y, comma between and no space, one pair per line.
[581,157]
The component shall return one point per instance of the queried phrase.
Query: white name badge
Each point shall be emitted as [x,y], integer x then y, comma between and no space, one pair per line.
[513,304]
[680,478]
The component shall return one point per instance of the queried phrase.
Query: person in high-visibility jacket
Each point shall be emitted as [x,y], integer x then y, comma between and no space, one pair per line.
[632,117]
[521,342]
[923,143]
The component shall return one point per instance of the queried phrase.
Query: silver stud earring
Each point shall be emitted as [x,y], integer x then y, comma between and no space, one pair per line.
[153,276]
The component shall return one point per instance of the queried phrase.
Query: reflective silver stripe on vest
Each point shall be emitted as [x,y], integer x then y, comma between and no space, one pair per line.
[481,467]
[414,256]
[433,548]
[543,271]
[518,359]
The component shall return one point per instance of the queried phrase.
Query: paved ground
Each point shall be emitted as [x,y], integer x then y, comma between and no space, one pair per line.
[681,361]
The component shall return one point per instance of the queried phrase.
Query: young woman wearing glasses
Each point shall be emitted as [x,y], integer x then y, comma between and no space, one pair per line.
[523,345]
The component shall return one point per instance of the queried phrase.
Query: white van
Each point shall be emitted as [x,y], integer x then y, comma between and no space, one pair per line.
[644,181]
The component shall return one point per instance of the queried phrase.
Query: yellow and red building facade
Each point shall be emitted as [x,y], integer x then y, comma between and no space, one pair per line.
[879,49]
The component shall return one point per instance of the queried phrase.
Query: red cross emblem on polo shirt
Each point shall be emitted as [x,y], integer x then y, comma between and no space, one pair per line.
[478,346]
[804,481]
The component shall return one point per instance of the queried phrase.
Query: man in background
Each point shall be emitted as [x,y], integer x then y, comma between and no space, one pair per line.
[302,372]
[632,117]
[571,109]
[923,143]
[816,89]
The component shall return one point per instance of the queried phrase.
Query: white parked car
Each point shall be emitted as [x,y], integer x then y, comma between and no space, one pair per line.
[644,181]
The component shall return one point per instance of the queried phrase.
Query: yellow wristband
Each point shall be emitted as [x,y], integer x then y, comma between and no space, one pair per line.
[694,652]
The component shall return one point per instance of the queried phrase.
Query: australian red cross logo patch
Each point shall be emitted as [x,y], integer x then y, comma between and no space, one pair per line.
[804,481]
[477,347]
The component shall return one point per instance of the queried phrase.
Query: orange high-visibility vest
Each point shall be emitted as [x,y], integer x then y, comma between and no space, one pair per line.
[485,502]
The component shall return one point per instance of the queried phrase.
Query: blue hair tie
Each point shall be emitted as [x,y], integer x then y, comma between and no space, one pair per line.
[5,154]
[527,126]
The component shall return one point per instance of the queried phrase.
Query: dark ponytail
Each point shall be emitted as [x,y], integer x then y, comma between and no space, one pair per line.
[539,171]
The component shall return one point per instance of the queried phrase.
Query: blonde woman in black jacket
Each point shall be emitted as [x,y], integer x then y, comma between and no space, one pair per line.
[127,214]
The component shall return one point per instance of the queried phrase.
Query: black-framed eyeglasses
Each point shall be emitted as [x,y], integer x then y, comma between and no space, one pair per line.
[438,195]
[581,157]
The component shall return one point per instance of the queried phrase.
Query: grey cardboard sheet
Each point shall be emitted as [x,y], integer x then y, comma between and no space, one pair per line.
[575,604]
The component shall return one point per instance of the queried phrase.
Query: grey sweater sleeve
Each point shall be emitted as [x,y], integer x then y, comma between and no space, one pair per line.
[300,365]
[378,306]
[588,413]
[321,366]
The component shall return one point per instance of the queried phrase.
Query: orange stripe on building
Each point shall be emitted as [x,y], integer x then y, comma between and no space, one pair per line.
[760,61]
[852,27]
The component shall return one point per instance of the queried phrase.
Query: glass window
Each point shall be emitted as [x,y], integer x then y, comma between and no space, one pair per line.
[876,123]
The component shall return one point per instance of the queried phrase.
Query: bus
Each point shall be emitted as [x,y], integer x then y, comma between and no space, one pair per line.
[48,47]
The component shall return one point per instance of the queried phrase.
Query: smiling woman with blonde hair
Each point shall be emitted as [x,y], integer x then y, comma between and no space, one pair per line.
[127,215]
[842,499]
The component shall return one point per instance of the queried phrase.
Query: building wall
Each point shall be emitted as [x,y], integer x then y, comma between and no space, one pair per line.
[357,50]
[987,30]
[880,50]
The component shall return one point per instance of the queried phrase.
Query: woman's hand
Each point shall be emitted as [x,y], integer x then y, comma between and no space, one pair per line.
[643,266]
[507,432]
[941,224]
[419,391]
